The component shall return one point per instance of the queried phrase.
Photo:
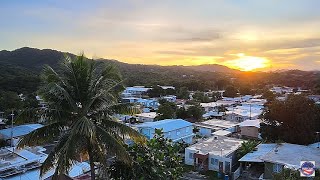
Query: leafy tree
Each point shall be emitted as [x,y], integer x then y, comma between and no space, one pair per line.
[222,84]
[170,91]
[9,100]
[294,120]
[246,147]
[156,91]
[216,96]
[230,91]
[182,113]
[183,93]
[159,159]
[201,97]
[82,98]
[268,95]
[166,110]
[195,112]
[245,90]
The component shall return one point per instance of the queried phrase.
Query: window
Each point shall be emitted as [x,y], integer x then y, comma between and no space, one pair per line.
[178,132]
[277,168]
[214,161]
[190,155]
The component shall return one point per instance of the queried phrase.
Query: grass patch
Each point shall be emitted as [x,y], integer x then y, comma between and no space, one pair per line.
[212,175]
[188,168]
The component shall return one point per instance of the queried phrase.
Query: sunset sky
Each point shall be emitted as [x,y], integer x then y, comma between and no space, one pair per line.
[242,34]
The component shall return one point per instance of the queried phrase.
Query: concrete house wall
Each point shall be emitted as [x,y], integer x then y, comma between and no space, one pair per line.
[185,134]
[269,170]
[250,131]
[213,160]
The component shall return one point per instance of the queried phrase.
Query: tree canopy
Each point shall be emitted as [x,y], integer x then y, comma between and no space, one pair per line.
[295,120]
[82,98]
[158,159]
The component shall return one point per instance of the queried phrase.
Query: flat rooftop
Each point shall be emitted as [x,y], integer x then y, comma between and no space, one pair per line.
[286,154]
[147,115]
[216,123]
[217,145]
[218,103]
[166,125]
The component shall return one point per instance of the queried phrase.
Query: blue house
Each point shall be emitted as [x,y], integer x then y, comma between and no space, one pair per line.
[174,129]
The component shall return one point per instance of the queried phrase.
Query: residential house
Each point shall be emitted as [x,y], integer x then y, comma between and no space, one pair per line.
[276,157]
[18,131]
[146,117]
[25,163]
[130,99]
[281,90]
[175,129]
[136,91]
[149,103]
[250,128]
[243,112]
[207,128]
[167,87]
[217,153]
[170,98]
[213,115]
[213,106]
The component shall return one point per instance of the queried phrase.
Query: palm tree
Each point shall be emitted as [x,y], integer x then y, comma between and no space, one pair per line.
[246,147]
[82,97]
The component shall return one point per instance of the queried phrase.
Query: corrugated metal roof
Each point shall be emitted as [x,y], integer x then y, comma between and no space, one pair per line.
[19,130]
[167,124]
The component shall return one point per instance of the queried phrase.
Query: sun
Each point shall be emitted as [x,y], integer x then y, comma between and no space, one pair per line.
[248,63]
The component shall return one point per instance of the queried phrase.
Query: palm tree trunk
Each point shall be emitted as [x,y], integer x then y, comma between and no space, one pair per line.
[91,160]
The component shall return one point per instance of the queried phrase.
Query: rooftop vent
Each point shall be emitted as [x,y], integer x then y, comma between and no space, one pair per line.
[215,137]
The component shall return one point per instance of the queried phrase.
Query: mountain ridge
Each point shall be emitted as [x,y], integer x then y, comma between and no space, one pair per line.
[34,58]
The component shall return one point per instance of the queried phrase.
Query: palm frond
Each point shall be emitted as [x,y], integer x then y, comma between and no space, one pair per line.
[51,160]
[123,130]
[43,135]
[114,146]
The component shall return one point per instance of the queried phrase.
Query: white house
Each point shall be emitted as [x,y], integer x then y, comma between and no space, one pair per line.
[136,90]
[250,128]
[281,90]
[213,114]
[243,112]
[217,153]
[276,157]
[207,128]
[25,164]
[170,98]
[175,129]
[167,87]
[146,117]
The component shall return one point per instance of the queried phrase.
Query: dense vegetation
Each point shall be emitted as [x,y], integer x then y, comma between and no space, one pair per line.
[158,159]
[295,120]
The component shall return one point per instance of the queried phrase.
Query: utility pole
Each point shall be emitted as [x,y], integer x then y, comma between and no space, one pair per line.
[12,128]
[318,140]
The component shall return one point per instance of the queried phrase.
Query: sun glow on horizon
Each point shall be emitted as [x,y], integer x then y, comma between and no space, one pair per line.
[248,63]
